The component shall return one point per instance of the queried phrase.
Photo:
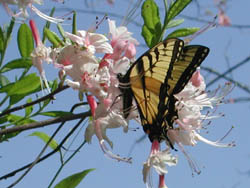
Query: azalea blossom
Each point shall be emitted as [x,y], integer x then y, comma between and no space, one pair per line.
[23,12]
[122,42]
[224,20]
[80,63]
[105,118]
[92,42]
[158,160]
[40,54]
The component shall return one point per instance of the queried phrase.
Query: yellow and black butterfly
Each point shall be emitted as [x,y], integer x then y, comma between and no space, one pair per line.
[154,78]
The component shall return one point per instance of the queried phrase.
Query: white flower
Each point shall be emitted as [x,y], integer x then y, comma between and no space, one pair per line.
[120,33]
[111,121]
[158,161]
[93,42]
[40,53]
[23,5]
[122,42]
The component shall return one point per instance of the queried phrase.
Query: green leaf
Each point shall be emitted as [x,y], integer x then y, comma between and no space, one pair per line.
[55,113]
[27,84]
[54,85]
[183,32]
[19,120]
[44,137]
[16,120]
[1,40]
[22,63]
[6,137]
[10,29]
[53,38]
[29,109]
[3,81]
[176,8]
[16,98]
[175,23]
[73,180]
[151,30]
[3,119]
[74,29]
[6,88]
[61,31]
[47,25]
[25,40]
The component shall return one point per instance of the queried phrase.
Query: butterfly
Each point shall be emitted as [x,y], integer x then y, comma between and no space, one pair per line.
[154,79]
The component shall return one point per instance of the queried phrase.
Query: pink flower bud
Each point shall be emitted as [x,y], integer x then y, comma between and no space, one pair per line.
[224,20]
[130,51]
[92,104]
[35,32]
[197,79]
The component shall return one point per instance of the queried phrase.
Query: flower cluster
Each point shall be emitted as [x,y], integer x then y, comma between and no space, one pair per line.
[97,77]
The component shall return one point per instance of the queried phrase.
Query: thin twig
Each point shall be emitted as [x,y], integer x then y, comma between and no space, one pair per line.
[238,84]
[37,158]
[49,96]
[63,164]
[237,65]
[235,26]
[46,156]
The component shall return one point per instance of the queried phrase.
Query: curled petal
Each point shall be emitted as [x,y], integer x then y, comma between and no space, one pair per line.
[46,17]
[216,143]
[72,84]
[109,154]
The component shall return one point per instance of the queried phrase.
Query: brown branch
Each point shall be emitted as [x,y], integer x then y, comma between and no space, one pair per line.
[49,96]
[44,123]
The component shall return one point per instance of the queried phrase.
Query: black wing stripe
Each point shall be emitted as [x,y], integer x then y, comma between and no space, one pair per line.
[192,56]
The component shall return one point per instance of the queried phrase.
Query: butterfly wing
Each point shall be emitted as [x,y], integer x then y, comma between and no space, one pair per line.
[191,57]
[147,75]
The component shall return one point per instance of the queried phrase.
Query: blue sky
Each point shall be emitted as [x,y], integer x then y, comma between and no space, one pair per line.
[220,167]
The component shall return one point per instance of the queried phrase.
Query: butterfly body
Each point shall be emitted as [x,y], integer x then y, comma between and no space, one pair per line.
[154,78]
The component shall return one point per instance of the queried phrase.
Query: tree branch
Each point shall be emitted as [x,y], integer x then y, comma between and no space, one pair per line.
[44,123]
